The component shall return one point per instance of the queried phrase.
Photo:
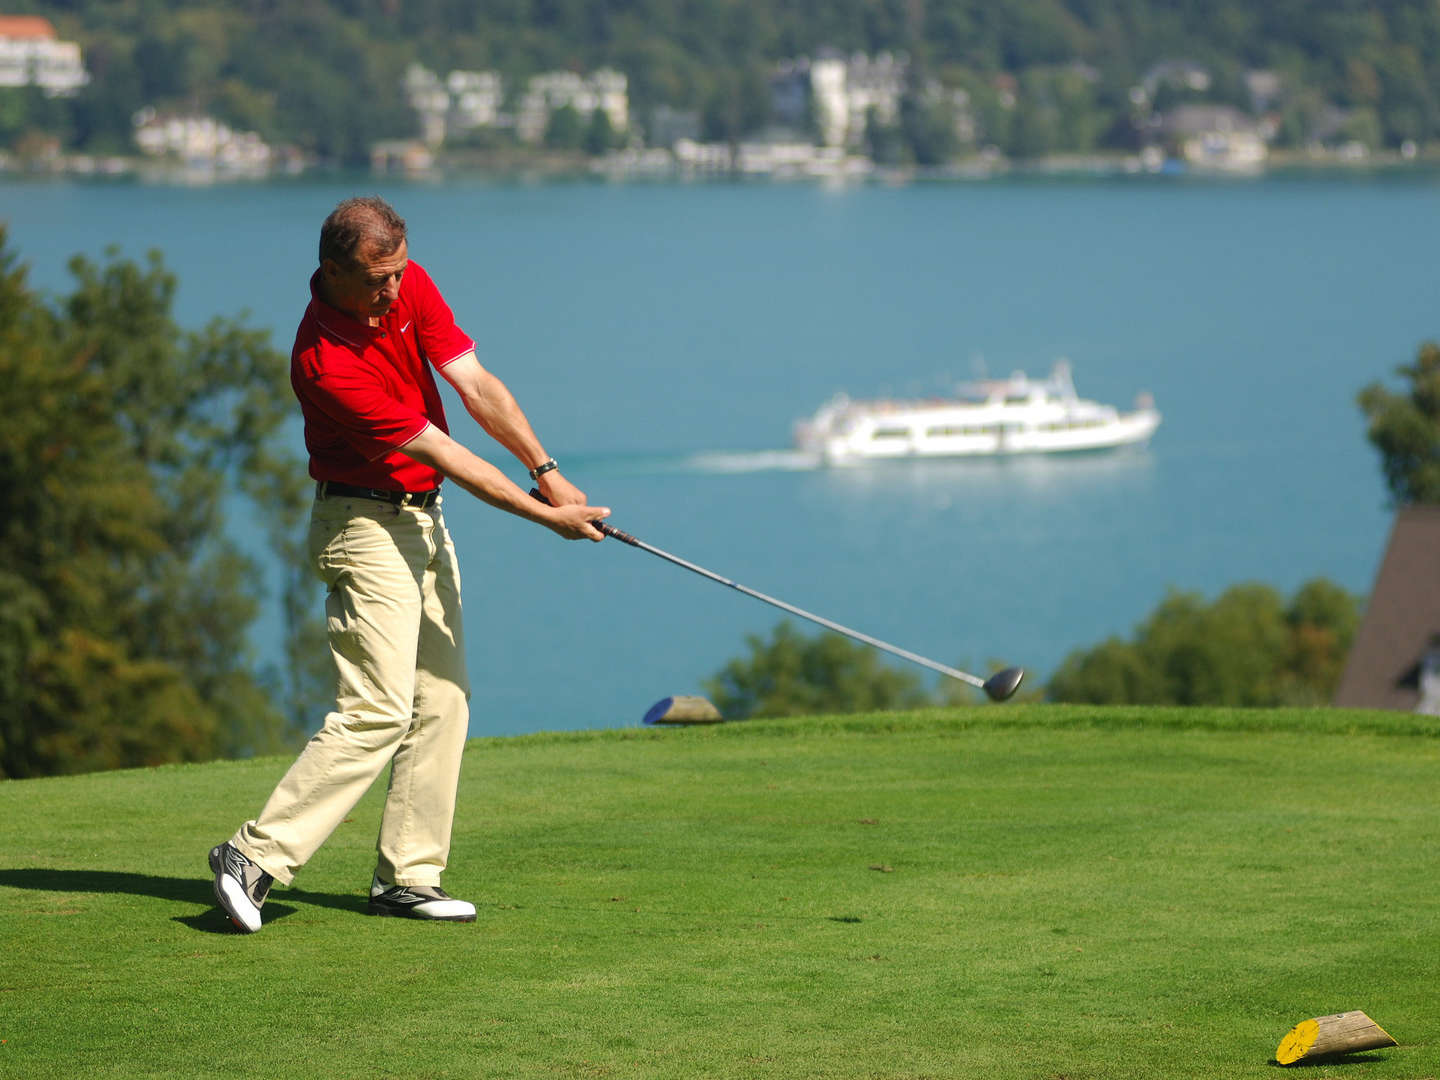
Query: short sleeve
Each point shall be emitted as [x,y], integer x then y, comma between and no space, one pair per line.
[440,339]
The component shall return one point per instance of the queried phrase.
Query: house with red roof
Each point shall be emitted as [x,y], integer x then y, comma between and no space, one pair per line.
[31,54]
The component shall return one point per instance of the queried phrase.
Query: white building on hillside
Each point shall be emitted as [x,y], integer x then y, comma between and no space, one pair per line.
[837,93]
[475,100]
[1216,137]
[606,89]
[461,102]
[827,90]
[30,55]
[1181,75]
[875,84]
[466,100]
[430,99]
[200,141]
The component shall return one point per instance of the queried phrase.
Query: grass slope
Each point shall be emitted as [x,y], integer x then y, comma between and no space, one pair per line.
[1031,892]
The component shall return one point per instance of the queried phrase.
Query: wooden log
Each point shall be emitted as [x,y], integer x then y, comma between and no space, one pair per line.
[683,709]
[1326,1036]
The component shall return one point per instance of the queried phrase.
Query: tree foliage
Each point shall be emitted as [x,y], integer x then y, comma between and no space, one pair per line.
[792,675]
[124,602]
[1405,429]
[326,74]
[1248,648]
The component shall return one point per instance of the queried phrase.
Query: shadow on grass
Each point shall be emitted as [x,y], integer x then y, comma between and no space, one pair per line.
[175,890]
[1325,1062]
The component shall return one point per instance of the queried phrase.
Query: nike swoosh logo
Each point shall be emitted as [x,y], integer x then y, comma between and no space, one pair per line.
[405,327]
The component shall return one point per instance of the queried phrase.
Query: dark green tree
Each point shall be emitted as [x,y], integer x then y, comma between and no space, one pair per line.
[928,126]
[566,130]
[1249,648]
[124,603]
[326,74]
[1323,619]
[1405,428]
[885,142]
[792,675]
[600,137]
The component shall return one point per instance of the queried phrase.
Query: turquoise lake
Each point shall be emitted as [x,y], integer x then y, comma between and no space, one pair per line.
[664,338]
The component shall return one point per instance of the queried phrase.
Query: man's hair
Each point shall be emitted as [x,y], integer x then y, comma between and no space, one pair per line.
[361,222]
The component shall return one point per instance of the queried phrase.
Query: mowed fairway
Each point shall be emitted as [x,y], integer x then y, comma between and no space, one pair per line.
[1018,891]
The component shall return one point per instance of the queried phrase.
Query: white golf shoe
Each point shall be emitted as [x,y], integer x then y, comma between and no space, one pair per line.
[418,902]
[240,886]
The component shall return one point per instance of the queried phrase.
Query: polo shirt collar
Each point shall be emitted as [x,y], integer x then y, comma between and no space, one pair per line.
[341,323]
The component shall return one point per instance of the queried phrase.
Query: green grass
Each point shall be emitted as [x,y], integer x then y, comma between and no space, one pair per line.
[1022,892]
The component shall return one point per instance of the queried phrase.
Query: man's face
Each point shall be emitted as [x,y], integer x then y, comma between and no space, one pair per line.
[368,287]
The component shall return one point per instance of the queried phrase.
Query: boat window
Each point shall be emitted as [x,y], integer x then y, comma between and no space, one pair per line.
[892,433]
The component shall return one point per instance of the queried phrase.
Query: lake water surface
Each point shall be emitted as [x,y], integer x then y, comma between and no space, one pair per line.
[663,338]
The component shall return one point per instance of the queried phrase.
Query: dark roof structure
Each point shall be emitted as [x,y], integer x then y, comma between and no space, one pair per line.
[1402,619]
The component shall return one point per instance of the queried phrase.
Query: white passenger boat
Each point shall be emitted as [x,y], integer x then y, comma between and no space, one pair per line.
[995,417]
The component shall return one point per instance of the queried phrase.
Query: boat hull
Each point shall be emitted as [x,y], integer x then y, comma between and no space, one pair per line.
[998,419]
[1130,429]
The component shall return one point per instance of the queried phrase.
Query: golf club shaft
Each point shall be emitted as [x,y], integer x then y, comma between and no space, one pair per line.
[915,658]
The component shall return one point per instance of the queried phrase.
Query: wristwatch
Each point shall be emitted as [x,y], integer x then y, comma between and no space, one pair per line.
[541,469]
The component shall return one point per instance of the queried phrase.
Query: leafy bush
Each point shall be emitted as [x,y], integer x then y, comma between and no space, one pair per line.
[1247,648]
[792,675]
[124,604]
[1405,429]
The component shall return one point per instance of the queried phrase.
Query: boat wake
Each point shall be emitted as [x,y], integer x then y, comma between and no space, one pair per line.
[714,462]
[751,461]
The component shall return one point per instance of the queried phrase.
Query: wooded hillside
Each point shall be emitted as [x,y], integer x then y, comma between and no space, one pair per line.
[1042,75]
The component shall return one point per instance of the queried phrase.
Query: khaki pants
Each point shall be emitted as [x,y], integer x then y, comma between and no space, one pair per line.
[393,612]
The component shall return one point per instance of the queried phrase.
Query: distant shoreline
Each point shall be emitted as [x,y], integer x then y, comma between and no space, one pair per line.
[648,167]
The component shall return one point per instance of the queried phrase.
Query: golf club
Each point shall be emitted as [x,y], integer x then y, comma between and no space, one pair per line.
[999,686]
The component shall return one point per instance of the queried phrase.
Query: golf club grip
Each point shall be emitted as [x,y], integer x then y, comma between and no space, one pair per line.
[616,534]
[608,530]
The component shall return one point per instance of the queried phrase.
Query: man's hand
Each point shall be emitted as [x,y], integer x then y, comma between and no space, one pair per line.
[558,491]
[574,521]
[483,480]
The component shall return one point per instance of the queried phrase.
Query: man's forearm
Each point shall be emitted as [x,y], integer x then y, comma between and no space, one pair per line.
[473,473]
[496,410]
[565,512]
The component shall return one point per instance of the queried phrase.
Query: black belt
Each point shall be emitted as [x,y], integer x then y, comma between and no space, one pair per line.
[423,500]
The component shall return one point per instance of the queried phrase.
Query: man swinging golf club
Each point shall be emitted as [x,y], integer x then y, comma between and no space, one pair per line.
[379,448]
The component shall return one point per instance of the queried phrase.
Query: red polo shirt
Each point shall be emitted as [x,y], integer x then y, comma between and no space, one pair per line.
[366,390]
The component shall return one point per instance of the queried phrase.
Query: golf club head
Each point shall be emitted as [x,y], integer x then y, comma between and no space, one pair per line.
[1004,683]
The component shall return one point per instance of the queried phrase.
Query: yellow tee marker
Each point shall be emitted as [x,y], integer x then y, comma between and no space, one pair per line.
[1324,1036]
